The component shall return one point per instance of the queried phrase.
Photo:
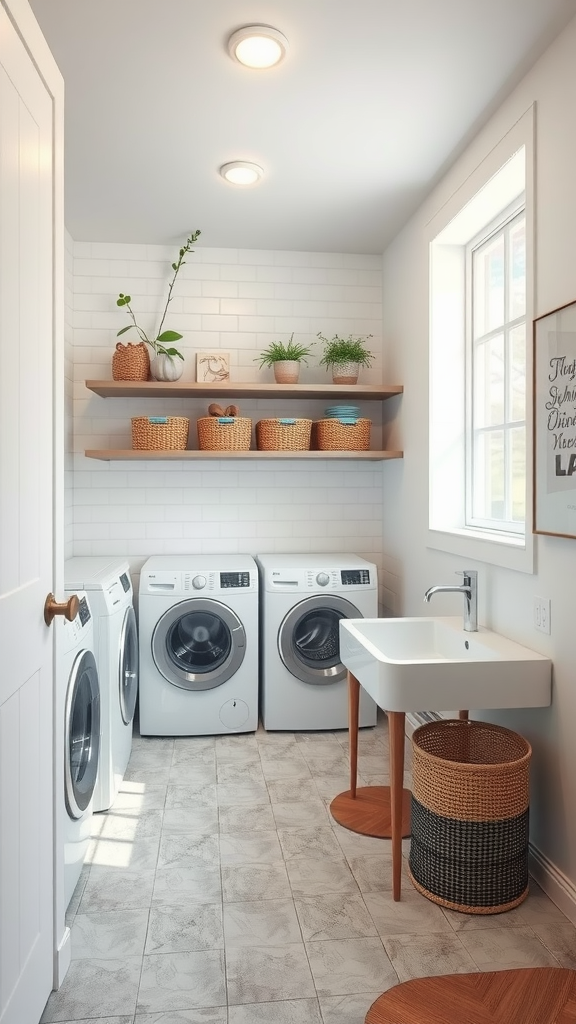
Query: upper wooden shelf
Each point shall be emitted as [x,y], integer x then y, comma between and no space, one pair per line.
[140,455]
[160,389]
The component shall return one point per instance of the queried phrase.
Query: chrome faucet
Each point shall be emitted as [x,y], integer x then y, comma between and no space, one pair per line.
[470,590]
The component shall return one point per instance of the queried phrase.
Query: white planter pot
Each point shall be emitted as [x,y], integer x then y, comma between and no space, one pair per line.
[345,373]
[287,371]
[167,368]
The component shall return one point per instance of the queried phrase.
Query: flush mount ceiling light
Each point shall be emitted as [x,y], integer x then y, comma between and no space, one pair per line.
[258,46]
[240,172]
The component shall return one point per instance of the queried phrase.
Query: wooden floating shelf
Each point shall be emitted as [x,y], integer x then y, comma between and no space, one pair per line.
[137,455]
[160,389]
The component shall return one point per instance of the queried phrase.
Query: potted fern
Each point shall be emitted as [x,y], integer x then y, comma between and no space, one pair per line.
[285,358]
[345,356]
[163,365]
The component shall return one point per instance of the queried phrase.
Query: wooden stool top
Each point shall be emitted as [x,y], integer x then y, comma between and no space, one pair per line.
[535,995]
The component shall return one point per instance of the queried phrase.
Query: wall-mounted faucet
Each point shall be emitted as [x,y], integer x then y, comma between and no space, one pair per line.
[470,590]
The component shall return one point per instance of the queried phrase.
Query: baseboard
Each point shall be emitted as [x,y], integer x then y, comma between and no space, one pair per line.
[62,958]
[556,885]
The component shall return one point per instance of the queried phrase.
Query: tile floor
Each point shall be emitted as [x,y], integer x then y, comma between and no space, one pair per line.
[218,890]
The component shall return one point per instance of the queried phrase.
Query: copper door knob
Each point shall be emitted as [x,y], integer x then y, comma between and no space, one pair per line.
[69,608]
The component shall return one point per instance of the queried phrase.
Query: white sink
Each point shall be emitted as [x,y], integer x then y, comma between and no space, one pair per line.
[432,664]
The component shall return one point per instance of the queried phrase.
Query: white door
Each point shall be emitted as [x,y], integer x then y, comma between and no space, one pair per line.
[27,319]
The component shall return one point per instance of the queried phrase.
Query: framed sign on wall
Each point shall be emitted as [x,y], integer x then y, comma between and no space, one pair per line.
[555,422]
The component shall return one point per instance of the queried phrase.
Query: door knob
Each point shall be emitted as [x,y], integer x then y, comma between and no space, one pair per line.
[69,608]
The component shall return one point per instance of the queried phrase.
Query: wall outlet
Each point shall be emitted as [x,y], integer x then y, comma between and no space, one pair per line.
[542,614]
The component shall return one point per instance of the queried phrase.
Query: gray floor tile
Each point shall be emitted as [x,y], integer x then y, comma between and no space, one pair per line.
[102,1020]
[310,811]
[194,794]
[311,877]
[249,848]
[232,794]
[259,974]
[560,939]
[192,927]
[413,915]
[284,791]
[349,1009]
[329,786]
[285,768]
[373,872]
[187,772]
[95,988]
[263,923]
[180,981]
[201,1015]
[346,966]
[255,882]
[257,818]
[177,886]
[150,798]
[239,772]
[202,820]
[117,889]
[422,956]
[336,764]
[291,1011]
[334,917]
[500,949]
[112,935]
[122,853]
[309,842]
[129,824]
[189,850]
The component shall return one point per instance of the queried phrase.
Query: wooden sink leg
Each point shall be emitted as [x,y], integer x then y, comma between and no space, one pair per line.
[353,711]
[396,730]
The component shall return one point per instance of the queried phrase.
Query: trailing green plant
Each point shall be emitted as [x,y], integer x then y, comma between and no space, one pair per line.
[278,352]
[346,350]
[163,338]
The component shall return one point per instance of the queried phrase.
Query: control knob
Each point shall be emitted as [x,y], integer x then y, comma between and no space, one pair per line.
[199,582]
[322,579]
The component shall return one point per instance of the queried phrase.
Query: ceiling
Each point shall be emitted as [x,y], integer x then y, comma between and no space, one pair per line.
[375,99]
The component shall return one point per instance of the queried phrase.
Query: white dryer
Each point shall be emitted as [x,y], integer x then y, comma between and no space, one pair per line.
[107,581]
[304,597]
[77,739]
[198,628]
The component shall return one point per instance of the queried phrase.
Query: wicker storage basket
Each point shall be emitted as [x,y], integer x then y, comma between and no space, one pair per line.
[470,804]
[160,433]
[131,362]
[224,433]
[284,434]
[336,434]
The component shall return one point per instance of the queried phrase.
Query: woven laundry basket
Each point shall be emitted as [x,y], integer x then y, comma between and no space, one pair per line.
[343,434]
[284,434]
[131,362]
[470,805]
[160,433]
[224,433]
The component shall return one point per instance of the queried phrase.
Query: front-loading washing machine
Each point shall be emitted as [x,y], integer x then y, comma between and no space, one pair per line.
[77,739]
[198,630]
[107,581]
[303,598]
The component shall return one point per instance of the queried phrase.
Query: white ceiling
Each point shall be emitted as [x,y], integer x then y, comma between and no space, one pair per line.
[374,100]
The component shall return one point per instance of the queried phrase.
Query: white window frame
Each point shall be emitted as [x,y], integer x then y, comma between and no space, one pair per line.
[483,195]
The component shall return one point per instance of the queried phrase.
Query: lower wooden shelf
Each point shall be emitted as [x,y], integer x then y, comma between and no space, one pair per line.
[137,455]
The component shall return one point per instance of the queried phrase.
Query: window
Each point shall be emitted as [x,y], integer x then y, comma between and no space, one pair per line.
[480,472]
[496,377]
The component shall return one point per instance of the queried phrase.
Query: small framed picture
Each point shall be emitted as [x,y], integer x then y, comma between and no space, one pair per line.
[212,367]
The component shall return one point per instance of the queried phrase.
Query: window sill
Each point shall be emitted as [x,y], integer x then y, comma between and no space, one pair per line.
[506,551]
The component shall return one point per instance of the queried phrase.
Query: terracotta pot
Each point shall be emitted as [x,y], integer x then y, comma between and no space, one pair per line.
[166,367]
[286,371]
[345,373]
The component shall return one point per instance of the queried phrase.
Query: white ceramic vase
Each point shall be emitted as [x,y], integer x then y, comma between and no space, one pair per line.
[345,373]
[168,368]
[286,371]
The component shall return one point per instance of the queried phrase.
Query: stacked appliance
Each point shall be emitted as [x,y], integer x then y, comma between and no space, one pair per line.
[304,597]
[109,586]
[198,628]
[77,738]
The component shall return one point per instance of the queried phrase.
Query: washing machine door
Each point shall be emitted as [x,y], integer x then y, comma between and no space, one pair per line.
[128,666]
[81,734]
[309,638]
[198,644]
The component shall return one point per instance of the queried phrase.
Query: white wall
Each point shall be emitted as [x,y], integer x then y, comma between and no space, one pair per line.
[68,395]
[238,301]
[506,597]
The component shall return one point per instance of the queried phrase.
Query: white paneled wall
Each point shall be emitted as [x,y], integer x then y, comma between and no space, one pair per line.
[237,301]
[69,395]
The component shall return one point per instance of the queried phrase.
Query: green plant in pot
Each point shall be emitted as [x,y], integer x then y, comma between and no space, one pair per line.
[285,359]
[167,362]
[345,356]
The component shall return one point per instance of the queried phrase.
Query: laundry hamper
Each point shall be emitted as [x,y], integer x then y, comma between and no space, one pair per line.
[470,805]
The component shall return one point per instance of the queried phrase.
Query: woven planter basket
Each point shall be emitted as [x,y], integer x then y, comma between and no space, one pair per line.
[335,435]
[284,434]
[131,362]
[470,804]
[224,433]
[160,433]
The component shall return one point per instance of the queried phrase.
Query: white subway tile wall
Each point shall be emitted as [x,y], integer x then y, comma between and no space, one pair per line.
[237,301]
